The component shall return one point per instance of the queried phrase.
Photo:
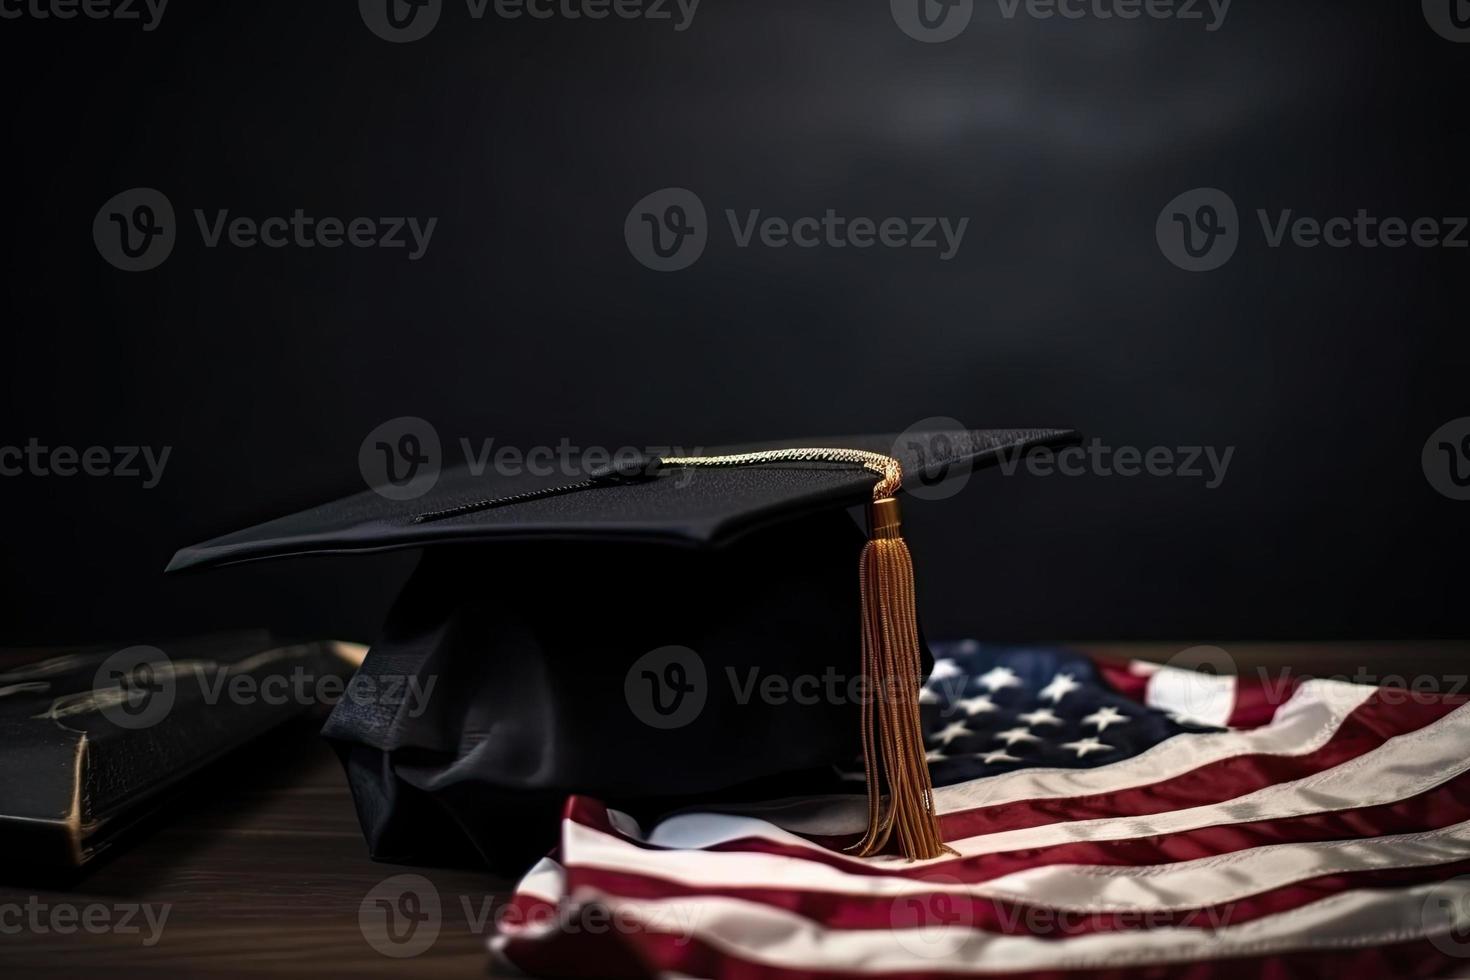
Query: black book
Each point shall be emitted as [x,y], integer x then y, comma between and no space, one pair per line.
[92,739]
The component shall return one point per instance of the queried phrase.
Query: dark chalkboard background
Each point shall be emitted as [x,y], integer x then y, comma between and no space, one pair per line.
[528,320]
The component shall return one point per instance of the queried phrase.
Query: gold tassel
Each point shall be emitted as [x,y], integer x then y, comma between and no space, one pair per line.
[892,732]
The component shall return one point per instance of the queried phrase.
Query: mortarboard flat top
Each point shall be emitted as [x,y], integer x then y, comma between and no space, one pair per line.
[696,508]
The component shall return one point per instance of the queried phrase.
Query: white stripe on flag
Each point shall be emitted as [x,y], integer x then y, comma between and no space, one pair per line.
[547,880]
[767,935]
[1207,699]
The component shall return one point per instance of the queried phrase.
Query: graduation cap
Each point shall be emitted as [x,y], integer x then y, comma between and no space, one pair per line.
[648,630]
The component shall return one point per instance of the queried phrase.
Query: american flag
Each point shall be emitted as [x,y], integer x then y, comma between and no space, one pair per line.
[1109,819]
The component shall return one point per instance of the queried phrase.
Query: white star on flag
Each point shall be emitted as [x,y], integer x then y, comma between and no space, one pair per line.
[1085,746]
[935,755]
[1041,716]
[1061,685]
[1013,735]
[944,668]
[927,696]
[997,678]
[1105,716]
[979,704]
[999,755]
[951,732]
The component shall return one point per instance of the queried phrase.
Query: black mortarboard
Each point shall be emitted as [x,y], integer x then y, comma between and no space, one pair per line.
[648,630]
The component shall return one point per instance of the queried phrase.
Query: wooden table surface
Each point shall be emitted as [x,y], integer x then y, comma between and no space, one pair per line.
[263,869]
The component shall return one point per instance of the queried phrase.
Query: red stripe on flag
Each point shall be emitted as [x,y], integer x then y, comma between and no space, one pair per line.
[1257,699]
[1121,677]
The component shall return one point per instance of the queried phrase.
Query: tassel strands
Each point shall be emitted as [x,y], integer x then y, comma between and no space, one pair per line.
[893,742]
